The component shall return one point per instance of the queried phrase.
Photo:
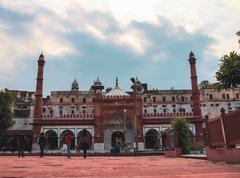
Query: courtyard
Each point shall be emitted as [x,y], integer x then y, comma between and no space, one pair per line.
[141,166]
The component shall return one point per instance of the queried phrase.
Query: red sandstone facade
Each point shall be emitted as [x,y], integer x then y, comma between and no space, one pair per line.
[113,117]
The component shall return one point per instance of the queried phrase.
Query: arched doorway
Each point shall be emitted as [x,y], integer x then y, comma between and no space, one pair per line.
[118,138]
[52,140]
[152,139]
[84,133]
[63,138]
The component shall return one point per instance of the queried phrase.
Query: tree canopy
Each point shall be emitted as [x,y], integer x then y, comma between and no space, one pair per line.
[181,126]
[228,74]
[6,114]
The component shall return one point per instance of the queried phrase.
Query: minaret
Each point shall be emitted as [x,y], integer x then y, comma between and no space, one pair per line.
[39,88]
[195,91]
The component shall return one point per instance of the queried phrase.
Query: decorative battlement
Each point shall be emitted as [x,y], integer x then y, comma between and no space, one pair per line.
[118,97]
[177,114]
[69,116]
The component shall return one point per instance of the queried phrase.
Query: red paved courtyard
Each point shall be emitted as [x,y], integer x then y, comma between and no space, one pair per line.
[144,166]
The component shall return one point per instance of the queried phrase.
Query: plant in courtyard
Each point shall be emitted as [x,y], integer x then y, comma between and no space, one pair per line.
[181,127]
[6,114]
[228,74]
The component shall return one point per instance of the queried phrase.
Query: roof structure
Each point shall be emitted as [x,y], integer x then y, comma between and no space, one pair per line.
[117,91]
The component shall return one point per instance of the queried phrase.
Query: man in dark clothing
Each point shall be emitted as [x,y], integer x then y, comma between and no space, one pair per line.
[85,145]
[42,143]
[20,145]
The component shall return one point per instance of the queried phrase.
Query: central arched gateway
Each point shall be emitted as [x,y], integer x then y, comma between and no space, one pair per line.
[118,129]
[118,138]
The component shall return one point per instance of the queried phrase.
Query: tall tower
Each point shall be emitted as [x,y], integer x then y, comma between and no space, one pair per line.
[39,88]
[195,91]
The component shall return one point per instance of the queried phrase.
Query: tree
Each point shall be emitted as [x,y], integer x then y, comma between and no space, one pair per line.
[181,127]
[6,114]
[228,74]
[238,34]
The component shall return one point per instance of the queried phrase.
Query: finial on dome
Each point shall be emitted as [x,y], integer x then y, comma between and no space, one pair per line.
[191,54]
[116,81]
[98,79]
[41,55]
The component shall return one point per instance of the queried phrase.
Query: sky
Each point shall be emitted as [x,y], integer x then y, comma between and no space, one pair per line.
[148,39]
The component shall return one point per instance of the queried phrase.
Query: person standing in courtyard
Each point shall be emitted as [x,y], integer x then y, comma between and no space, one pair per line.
[68,142]
[85,144]
[78,146]
[42,143]
[20,145]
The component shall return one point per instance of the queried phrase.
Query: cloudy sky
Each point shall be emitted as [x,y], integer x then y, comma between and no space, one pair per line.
[150,39]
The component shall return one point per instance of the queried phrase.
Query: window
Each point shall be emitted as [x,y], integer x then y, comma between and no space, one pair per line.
[228,96]
[84,100]
[204,105]
[145,99]
[145,111]
[164,106]
[173,98]
[229,104]
[182,98]
[174,110]
[164,99]
[43,110]
[155,110]
[237,95]
[72,111]
[210,97]
[61,100]
[212,105]
[217,104]
[173,105]
[154,99]
[223,96]
[72,100]
[60,112]
[84,112]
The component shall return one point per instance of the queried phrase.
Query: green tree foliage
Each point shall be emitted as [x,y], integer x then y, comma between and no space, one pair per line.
[238,33]
[6,114]
[228,74]
[181,127]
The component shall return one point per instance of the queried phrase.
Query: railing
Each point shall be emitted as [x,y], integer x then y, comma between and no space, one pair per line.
[119,97]
[159,115]
[69,116]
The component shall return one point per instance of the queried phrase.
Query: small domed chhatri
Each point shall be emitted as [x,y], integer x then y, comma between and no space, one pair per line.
[75,85]
[117,91]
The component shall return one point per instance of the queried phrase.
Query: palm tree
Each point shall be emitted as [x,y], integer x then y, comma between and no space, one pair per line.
[228,74]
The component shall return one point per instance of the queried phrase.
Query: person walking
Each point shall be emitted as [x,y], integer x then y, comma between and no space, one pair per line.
[85,145]
[20,145]
[68,142]
[42,144]
[78,146]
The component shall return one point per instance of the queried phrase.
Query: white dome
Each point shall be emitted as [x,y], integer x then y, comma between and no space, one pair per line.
[117,91]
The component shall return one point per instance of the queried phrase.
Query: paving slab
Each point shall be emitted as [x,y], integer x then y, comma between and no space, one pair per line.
[141,166]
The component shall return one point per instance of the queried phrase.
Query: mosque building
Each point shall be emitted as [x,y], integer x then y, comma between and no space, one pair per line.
[113,116]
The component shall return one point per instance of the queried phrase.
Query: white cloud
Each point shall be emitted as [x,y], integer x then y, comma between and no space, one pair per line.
[133,38]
